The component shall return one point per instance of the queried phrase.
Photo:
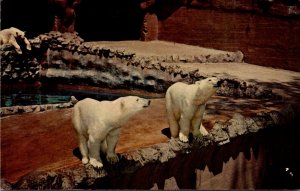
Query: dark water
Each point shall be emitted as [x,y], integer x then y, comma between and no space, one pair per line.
[22,98]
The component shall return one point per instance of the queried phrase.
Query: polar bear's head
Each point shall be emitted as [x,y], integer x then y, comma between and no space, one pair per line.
[206,88]
[133,104]
[18,37]
[211,83]
[17,32]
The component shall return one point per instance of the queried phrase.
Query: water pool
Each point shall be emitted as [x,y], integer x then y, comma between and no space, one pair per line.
[23,98]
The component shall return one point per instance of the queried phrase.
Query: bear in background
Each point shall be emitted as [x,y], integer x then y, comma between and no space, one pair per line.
[11,36]
[98,125]
[185,106]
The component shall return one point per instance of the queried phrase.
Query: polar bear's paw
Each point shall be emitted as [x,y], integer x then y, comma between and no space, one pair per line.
[203,130]
[112,158]
[183,138]
[95,163]
[84,160]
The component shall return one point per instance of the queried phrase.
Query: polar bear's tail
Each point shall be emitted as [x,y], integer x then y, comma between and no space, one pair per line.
[73,100]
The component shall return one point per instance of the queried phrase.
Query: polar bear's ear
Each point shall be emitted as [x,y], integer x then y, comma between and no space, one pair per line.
[198,82]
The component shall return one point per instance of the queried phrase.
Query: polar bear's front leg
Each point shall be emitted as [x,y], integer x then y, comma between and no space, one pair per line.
[28,46]
[13,42]
[94,152]
[197,121]
[112,140]
[185,124]
[95,163]
[203,130]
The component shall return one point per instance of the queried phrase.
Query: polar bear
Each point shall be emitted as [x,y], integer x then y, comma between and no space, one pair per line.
[11,36]
[98,125]
[185,106]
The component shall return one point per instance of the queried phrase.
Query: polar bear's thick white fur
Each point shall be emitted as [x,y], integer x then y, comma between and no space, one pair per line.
[98,125]
[10,36]
[185,106]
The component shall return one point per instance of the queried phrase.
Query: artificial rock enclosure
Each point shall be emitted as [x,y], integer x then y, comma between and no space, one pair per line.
[253,120]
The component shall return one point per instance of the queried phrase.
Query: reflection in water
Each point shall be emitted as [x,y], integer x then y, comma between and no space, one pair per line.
[31,99]
[23,98]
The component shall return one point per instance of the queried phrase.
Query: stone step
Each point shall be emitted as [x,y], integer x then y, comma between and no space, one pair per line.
[163,51]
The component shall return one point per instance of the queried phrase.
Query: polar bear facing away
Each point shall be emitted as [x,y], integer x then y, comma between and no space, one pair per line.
[185,106]
[11,35]
[98,125]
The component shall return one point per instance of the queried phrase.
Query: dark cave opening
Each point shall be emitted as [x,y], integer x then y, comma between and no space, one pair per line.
[109,20]
[32,16]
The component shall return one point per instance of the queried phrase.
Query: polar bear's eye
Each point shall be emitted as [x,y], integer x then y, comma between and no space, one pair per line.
[137,99]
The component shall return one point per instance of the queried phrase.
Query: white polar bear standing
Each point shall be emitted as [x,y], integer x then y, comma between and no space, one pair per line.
[98,125]
[10,36]
[185,106]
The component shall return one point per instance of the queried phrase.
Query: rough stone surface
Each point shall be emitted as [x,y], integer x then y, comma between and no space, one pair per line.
[16,67]
[68,179]
[5,111]
[4,185]
[236,126]
[240,125]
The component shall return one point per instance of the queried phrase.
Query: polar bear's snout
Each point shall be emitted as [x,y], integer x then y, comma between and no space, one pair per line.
[213,81]
[216,85]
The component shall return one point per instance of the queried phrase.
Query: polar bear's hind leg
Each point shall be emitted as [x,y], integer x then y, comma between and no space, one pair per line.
[83,148]
[173,121]
[82,140]
[94,146]
[185,124]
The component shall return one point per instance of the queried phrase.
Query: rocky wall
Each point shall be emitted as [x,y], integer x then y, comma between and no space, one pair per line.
[65,58]
[16,67]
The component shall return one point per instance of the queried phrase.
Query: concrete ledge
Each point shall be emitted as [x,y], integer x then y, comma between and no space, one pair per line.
[164,155]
